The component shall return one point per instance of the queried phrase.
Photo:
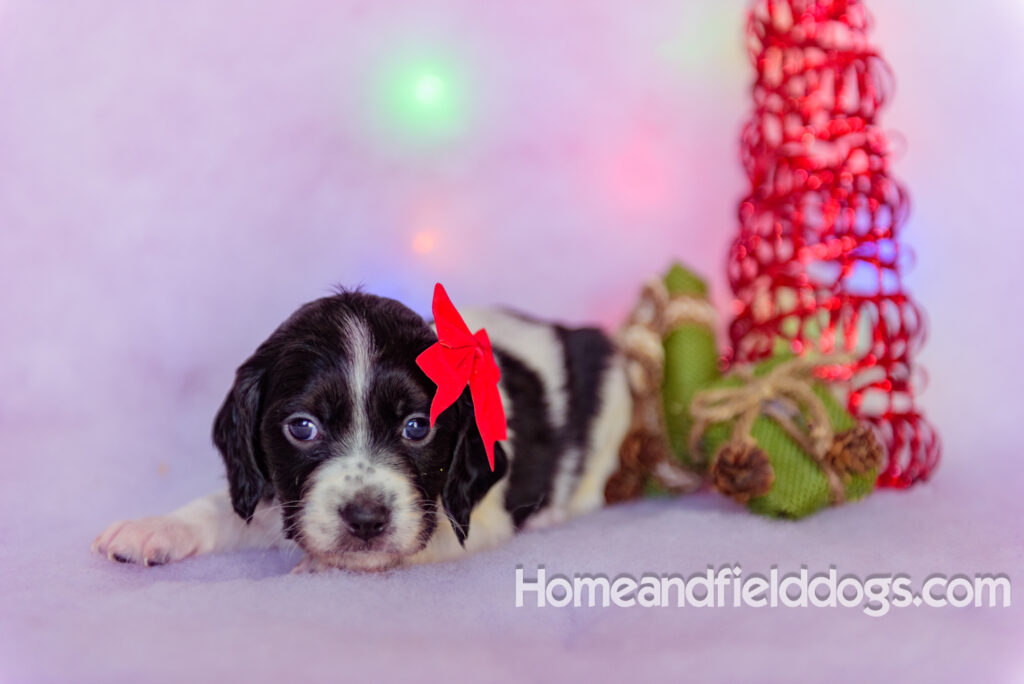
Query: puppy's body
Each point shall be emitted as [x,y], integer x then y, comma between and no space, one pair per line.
[568,408]
[367,490]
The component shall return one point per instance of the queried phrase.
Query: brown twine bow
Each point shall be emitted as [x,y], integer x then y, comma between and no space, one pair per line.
[781,394]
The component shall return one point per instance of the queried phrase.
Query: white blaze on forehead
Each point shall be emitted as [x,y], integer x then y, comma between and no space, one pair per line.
[360,351]
[357,469]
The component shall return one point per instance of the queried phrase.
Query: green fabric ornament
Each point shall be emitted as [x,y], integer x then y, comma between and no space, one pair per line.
[771,436]
[691,356]
[669,351]
[787,448]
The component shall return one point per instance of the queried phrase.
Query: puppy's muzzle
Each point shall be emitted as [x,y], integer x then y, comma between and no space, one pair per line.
[364,518]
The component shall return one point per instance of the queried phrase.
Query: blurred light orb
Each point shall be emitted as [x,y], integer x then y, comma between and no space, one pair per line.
[424,242]
[425,100]
[429,90]
[638,173]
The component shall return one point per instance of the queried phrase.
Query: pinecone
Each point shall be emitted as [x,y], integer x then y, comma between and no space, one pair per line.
[855,451]
[624,485]
[742,471]
[641,451]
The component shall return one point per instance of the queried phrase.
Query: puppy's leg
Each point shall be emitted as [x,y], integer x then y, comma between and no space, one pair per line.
[206,525]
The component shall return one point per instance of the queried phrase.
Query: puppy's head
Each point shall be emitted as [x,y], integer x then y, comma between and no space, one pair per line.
[330,417]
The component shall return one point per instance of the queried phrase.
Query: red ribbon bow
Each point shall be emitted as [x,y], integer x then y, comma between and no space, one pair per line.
[460,358]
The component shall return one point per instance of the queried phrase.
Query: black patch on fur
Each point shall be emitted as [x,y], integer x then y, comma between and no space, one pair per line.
[470,476]
[537,446]
[235,433]
[587,353]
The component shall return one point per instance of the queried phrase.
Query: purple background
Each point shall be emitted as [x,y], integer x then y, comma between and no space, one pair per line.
[175,178]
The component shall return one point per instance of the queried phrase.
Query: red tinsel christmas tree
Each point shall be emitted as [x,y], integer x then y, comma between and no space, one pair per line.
[817,263]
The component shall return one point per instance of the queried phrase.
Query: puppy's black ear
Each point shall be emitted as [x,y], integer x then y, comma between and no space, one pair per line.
[236,435]
[470,476]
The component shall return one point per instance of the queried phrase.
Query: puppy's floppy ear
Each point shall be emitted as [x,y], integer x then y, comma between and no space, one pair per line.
[469,476]
[236,435]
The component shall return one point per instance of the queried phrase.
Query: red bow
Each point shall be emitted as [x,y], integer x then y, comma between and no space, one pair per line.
[457,359]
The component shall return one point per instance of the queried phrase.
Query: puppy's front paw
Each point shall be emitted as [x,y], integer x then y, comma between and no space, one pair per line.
[149,541]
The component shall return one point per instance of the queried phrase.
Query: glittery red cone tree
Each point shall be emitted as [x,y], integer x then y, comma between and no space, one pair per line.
[817,261]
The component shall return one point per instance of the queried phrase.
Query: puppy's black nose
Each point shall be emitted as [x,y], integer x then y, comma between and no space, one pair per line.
[365,520]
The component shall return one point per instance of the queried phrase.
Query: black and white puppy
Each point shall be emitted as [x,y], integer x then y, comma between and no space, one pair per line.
[328,445]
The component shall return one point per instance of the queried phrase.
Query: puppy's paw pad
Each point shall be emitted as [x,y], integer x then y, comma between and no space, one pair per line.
[149,541]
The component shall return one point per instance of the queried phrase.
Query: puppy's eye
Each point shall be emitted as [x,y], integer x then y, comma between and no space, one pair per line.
[302,429]
[416,428]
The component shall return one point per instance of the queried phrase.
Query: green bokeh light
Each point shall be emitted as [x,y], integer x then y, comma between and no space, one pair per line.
[429,90]
[426,100]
